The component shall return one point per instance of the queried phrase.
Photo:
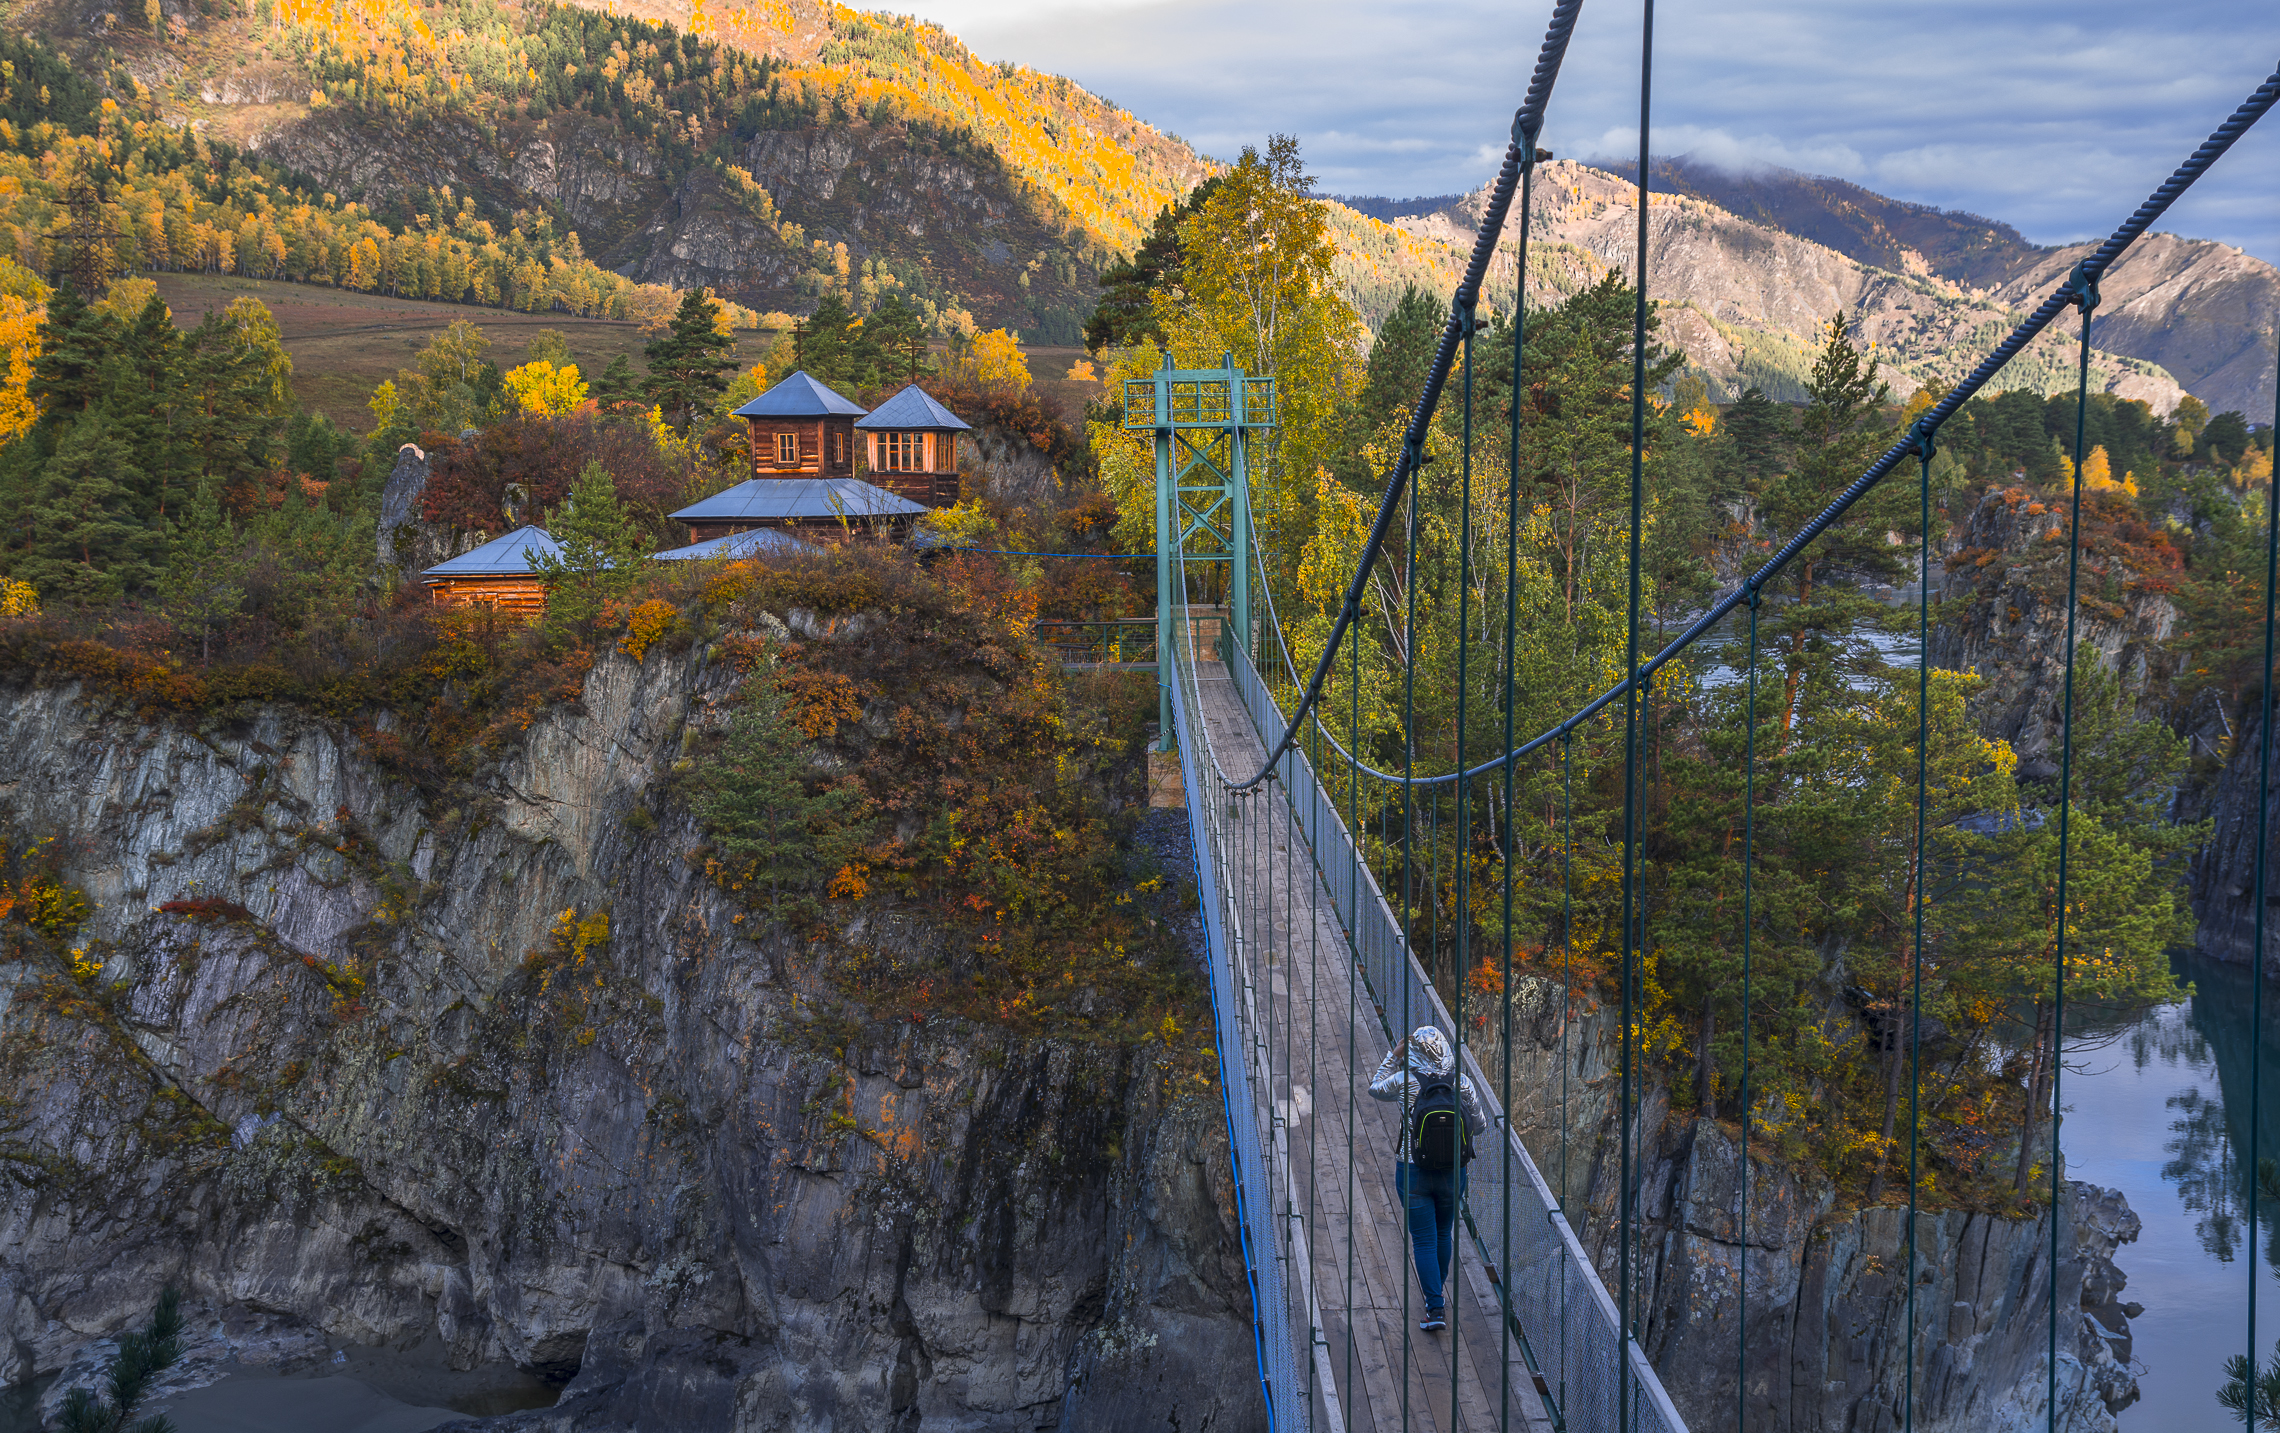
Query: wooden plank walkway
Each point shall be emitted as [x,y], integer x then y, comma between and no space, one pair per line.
[1313,1042]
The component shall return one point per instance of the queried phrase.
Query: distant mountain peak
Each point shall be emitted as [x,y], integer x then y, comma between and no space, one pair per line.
[1967,249]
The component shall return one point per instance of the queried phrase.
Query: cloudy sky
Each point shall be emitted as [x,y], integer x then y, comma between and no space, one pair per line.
[2058,118]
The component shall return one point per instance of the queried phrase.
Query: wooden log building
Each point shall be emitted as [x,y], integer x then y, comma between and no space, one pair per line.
[801,428]
[911,447]
[500,574]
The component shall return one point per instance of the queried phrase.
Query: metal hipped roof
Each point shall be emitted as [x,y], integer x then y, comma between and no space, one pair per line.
[800,396]
[788,499]
[509,556]
[914,408]
[758,542]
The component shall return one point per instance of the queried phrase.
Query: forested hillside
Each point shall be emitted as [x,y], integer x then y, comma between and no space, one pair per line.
[888,159]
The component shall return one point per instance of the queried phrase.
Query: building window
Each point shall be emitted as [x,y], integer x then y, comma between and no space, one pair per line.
[839,448]
[903,452]
[787,448]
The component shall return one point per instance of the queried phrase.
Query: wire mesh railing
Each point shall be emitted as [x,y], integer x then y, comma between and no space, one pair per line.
[1278,1341]
[1110,641]
[1565,1322]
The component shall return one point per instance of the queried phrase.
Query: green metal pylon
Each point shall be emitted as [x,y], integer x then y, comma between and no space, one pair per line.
[1203,419]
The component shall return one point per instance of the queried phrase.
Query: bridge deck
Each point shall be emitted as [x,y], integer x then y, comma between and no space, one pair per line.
[1387,1375]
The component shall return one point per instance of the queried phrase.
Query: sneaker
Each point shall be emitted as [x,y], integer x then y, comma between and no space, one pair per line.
[1432,1322]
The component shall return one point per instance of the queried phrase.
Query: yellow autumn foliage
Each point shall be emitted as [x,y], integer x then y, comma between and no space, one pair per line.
[2098,475]
[19,346]
[540,387]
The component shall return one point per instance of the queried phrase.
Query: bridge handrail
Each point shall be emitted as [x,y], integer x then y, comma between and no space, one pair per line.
[1543,1239]
[1254,1205]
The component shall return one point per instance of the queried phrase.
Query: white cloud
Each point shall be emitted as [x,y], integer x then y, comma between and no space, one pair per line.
[1726,151]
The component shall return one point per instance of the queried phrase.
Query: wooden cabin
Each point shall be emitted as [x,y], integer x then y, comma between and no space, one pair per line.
[823,507]
[911,447]
[500,574]
[801,428]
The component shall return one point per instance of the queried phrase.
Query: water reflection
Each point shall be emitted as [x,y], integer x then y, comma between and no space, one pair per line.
[2157,1107]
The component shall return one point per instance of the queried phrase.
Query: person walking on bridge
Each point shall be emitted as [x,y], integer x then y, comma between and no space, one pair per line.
[1440,1115]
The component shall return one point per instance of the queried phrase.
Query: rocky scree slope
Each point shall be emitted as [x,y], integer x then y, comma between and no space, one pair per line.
[376,1066]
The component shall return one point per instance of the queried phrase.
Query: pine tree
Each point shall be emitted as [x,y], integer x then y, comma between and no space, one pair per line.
[618,384]
[602,550]
[688,367]
[204,580]
[1399,358]
[143,383]
[76,341]
[82,543]
[826,343]
[1840,432]
[223,398]
[896,339]
[772,828]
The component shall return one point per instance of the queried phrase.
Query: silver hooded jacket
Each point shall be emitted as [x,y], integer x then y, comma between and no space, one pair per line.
[1429,1054]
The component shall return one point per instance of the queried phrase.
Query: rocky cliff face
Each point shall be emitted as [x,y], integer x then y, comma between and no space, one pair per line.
[2224,871]
[363,1058]
[2005,619]
[1826,1322]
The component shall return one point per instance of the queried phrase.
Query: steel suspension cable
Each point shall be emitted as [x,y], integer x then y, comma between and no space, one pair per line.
[1403,1154]
[1464,830]
[2254,1166]
[1749,873]
[2086,294]
[1511,696]
[1630,954]
[1922,893]
[2089,270]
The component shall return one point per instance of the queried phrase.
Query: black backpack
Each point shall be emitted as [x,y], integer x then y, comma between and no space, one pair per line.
[1438,1138]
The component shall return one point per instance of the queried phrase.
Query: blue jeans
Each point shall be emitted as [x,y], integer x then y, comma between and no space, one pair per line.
[1431,1196]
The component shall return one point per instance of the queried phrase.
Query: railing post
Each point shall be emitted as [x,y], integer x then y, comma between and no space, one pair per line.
[1239,506]
[1166,515]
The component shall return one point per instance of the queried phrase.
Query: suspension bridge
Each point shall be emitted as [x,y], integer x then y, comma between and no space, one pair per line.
[1327,940]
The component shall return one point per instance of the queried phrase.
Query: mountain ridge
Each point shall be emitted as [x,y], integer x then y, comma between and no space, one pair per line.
[1745,297]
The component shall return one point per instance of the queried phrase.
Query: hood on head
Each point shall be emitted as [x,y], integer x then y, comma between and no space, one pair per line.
[1429,1052]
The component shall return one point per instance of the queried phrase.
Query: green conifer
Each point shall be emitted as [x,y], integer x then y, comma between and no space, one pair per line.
[602,550]
[762,807]
[204,580]
[142,1356]
[82,542]
[688,367]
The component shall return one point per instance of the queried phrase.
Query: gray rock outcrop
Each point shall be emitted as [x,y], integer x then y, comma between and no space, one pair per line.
[351,1058]
[2224,870]
[2004,623]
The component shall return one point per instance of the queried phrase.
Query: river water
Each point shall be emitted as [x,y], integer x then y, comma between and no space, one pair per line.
[2157,1106]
